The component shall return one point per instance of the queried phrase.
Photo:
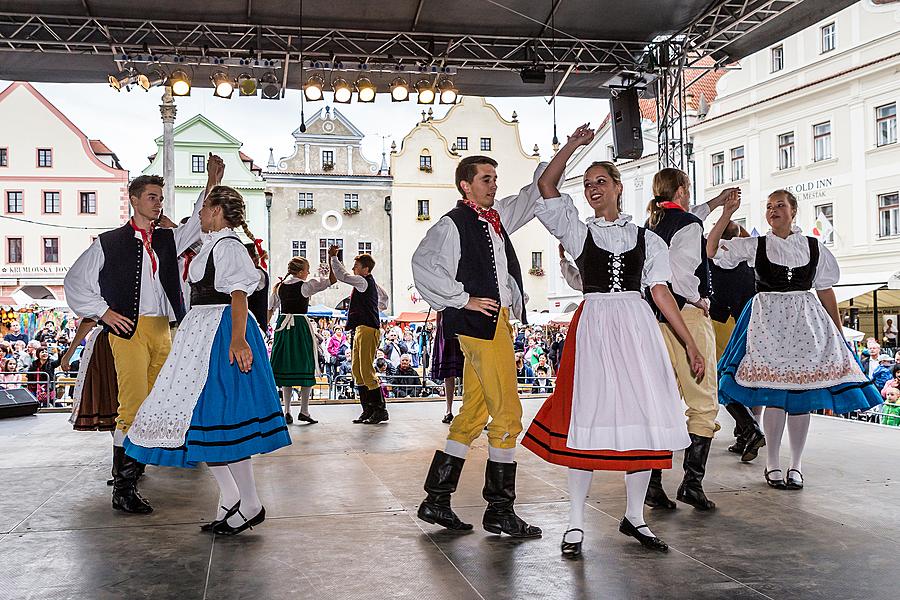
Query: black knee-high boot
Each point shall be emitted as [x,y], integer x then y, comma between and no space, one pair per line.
[379,407]
[691,489]
[366,402]
[125,496]
[750,437]
[443,477]
[500,493]
[656,496]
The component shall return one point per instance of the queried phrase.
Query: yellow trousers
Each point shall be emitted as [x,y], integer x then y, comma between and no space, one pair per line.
[138,361]
[723,334]
[489,389]
[365,344]
[701,398]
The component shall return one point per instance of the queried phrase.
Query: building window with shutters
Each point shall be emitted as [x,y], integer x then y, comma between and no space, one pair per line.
[828,38]
[305,200]
[889,214]
[327,160]
[198,163]
[15,202]
[424,210]
[486,144]
[786,150]
[87,203]
[425,163]
[365,248]
[822,141]
[886,124]
[325,244]
[45,157]
[777,58]
[14,250]
[52,203]
[462,143]
[51,250]
[718,168]
[737,163]
[298,248]
[351,202]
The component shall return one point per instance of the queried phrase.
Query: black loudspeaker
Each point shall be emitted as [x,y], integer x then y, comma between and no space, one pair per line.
[626,124]
[17,402]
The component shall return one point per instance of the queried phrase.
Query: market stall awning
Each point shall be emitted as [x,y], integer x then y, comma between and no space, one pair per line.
[843,294]
[415,317]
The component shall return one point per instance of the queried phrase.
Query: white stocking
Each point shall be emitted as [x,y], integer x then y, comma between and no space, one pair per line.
[798,429]
[228,490]
[773,427]
[579,486]
[635,491]
[287,394]
[250,504]
[305,393]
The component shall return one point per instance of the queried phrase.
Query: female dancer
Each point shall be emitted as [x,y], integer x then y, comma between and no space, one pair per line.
[787,351]
[96,388]
[215,399]
[606,413]
[447,364]
[294,352]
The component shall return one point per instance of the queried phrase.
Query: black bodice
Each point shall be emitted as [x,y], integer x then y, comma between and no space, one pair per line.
[293,302]
[204,292]
[605,272]
[779,278]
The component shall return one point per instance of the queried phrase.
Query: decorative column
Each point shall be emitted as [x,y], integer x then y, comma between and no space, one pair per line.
[167,112]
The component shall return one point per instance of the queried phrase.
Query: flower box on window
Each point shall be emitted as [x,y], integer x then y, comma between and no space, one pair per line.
[352,210]
[537,272]
[426,168]
[306,211]
[329,166]
[423,218]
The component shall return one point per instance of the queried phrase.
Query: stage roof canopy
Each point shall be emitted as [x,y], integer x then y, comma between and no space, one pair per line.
[583,46]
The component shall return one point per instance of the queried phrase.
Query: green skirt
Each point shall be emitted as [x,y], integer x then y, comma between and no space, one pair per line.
[294,353]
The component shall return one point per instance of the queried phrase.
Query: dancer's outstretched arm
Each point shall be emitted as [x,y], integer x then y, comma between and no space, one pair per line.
[732,203]
[547,182]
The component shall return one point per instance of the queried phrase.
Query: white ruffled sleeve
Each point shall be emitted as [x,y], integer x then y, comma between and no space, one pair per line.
[657,269]
[561,219]
[733,252]
[234,269]
[828,273]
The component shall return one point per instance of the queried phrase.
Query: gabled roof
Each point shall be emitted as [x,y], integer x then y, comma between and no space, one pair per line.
[337,116]
[227,137]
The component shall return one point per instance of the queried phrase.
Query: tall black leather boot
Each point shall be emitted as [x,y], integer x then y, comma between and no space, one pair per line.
[125,496]
[365,401]
[656,496]
[751,438]
[691,489]
[500,493]
[443,477]
[379,407]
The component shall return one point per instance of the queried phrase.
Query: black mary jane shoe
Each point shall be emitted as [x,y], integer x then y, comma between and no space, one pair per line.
[288,418]
[792,483]
[306,419]
[571,549]
[647,541]
[448,418]
[229,512]
[223,528]
[778,483]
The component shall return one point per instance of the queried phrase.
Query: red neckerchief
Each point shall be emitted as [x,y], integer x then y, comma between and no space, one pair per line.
[188,257]
[488,214]
[672,205]
[147,238]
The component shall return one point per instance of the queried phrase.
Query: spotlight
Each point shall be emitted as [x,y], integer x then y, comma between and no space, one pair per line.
[533,74]
[448,92]
[365,90]
[247,84]
[155,76]
[342,91]
[399,90]
[313,88]
[122,78]
[180,82]
[425,91]
[269,88]
[224,85]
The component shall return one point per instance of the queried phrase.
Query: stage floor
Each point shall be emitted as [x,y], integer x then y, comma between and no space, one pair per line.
[341,523]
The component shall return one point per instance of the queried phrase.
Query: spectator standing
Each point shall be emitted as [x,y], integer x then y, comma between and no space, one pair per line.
[870,362]
[890,333]
[338,344]
[412,348]
[524,372]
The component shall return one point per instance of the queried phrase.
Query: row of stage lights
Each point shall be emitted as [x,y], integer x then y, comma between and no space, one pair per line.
[269,87]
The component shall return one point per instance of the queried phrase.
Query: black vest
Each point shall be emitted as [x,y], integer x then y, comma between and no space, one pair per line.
[120,277]
[478,274]
[732,289]
[258,302]
[293,302]
[204,292]
[363,308]
[673,221]
[605,272]
[779,278]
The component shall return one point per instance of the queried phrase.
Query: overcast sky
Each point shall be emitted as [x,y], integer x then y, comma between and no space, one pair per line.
[128,122]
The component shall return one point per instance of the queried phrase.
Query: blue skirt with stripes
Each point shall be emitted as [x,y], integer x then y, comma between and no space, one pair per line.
[237,414]
[841,398]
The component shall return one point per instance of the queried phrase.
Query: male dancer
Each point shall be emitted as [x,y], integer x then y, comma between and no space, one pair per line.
[466,267]
[366,300]
[128,279]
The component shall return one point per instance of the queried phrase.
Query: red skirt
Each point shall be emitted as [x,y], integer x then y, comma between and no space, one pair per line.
[549,431]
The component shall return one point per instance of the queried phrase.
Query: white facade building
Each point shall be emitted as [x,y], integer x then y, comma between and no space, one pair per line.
[816,114]
[59,190]
[424,189]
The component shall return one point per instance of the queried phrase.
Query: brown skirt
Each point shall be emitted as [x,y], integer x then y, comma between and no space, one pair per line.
[100,394]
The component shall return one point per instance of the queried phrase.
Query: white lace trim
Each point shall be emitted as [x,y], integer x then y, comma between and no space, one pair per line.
[165,416]
[83,364]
